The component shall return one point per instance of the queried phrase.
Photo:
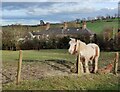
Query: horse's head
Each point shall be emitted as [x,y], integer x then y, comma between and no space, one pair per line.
[76,46]
[73,44]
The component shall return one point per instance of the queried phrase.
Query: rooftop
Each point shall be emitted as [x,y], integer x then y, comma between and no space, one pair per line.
[68,31]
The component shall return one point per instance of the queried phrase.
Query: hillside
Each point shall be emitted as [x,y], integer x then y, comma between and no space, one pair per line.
[96,26]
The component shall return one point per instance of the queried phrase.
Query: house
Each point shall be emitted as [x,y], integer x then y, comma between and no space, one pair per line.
[65,30]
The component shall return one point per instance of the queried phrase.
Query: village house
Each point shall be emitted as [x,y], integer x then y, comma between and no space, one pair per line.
[63,31]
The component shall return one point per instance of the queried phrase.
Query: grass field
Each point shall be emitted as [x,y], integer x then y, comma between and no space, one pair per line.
[50,70]
[98,26]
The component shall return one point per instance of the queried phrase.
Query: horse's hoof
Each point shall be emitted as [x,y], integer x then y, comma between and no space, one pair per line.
[95,71]
[87,73]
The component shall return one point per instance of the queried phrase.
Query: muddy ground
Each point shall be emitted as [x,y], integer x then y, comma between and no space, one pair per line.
[35,69]
[32,70]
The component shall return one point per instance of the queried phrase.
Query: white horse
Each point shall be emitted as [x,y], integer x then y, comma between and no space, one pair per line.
[89,52]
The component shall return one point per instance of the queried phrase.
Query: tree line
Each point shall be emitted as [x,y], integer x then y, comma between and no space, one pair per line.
[107,41]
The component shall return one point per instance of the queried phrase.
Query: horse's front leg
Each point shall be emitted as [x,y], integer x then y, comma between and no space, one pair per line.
[86,67]
[82,70]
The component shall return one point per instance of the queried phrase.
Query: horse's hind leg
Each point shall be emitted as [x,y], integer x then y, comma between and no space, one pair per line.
[95,64]
[86,67]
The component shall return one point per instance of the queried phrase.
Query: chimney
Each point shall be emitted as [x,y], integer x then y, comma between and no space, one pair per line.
[65,25]
[77,25]
[84,25]
[47,26]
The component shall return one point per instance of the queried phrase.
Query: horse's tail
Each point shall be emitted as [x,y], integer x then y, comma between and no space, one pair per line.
[97,50]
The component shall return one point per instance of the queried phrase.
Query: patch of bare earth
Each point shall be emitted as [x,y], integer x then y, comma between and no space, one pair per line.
[35,69]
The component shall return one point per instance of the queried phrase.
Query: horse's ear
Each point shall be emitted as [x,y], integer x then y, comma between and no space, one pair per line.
[73,39]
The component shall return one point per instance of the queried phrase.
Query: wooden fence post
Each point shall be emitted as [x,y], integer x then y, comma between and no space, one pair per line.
[116,62]
[80,66]
[19,67]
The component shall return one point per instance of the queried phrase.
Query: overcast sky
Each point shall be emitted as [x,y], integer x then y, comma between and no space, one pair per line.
[32,12]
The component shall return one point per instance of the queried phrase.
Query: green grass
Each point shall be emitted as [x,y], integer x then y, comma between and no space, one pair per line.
[86,82]
[61,54]
[98,26]
[72,82]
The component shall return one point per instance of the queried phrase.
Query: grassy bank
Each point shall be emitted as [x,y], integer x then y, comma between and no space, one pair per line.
[86,82]
[45,70]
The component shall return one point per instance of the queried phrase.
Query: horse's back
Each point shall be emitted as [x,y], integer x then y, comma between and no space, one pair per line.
[89,51]
[96,47]
[92,45]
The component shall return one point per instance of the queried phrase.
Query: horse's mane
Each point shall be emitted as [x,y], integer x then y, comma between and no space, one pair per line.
[80,45]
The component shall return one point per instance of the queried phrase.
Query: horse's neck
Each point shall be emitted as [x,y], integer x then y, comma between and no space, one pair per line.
[81,46]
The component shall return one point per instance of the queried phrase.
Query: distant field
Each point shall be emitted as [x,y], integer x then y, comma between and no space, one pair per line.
[98,26]
[50,70]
